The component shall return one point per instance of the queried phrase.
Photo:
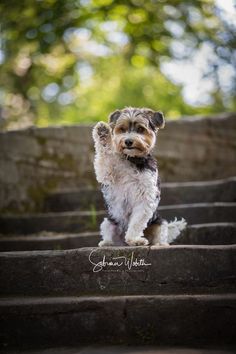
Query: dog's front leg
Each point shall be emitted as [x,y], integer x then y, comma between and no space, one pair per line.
[102,137]
[137,224]
[103,153]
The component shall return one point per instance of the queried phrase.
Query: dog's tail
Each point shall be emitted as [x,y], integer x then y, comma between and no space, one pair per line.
[174,228]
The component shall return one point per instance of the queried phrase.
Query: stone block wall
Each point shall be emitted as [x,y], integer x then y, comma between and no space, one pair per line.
[195,149]
[36,161]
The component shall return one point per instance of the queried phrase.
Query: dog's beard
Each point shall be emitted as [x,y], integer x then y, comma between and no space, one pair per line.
[134,152]
[139,148]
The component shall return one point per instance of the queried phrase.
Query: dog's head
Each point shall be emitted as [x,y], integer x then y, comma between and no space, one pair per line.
[134,130]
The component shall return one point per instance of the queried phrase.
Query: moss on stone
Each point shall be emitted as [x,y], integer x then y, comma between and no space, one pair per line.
[41,140]
[36,195]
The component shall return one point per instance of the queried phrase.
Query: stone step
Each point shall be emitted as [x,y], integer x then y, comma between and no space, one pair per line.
[49,241]
[193,320]
[172,193]
[83,221]
[56,222]
[202,234]
[137,270]
[130,349]
[208,234]
[200,213]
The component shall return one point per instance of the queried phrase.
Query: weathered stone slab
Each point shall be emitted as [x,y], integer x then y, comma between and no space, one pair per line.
[200,213]
[45,241]
[186,320]
[56,222]
[79,221]
[82,199]
[140,270]
[203,234]
[172,194]
[130,349]
[34,162]
[199,192]
[208,234]
[197,149]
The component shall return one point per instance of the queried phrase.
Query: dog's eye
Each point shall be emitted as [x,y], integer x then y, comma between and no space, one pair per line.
[140,130]
[122,130]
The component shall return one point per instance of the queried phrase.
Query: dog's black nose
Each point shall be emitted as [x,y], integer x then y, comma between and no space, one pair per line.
[128,142]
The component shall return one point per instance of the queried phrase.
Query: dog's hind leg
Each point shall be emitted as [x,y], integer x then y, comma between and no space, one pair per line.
[110,234]
[165,233]
[153,233]
[157,234]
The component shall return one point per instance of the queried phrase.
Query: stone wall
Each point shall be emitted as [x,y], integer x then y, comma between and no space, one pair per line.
[195,149]
[36,161]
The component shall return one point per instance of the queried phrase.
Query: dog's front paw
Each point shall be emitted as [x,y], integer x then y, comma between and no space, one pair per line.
[137,241]
[157,244]
[101,133]
[104,243]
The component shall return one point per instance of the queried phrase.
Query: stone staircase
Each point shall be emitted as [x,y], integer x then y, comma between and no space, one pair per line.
[59,289]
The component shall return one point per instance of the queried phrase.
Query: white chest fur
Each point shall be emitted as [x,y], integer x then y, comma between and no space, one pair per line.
[127,188]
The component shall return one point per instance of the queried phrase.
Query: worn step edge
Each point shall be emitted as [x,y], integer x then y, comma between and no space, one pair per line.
[174,269]
[173,320]
[10,304]
[198,205]
[101,212]
[202,234]
[216,182]
[44,235]
[165,185]
[83,221]
[172,193]
[45,242]
[208,234]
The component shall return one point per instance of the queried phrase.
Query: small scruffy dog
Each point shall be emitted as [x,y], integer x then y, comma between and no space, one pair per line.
[130,182]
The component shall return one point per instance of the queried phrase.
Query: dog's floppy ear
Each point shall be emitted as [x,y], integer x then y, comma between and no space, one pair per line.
[114,116]
[158,120]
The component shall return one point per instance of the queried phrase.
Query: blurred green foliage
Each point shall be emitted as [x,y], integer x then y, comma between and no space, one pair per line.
[74,61]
